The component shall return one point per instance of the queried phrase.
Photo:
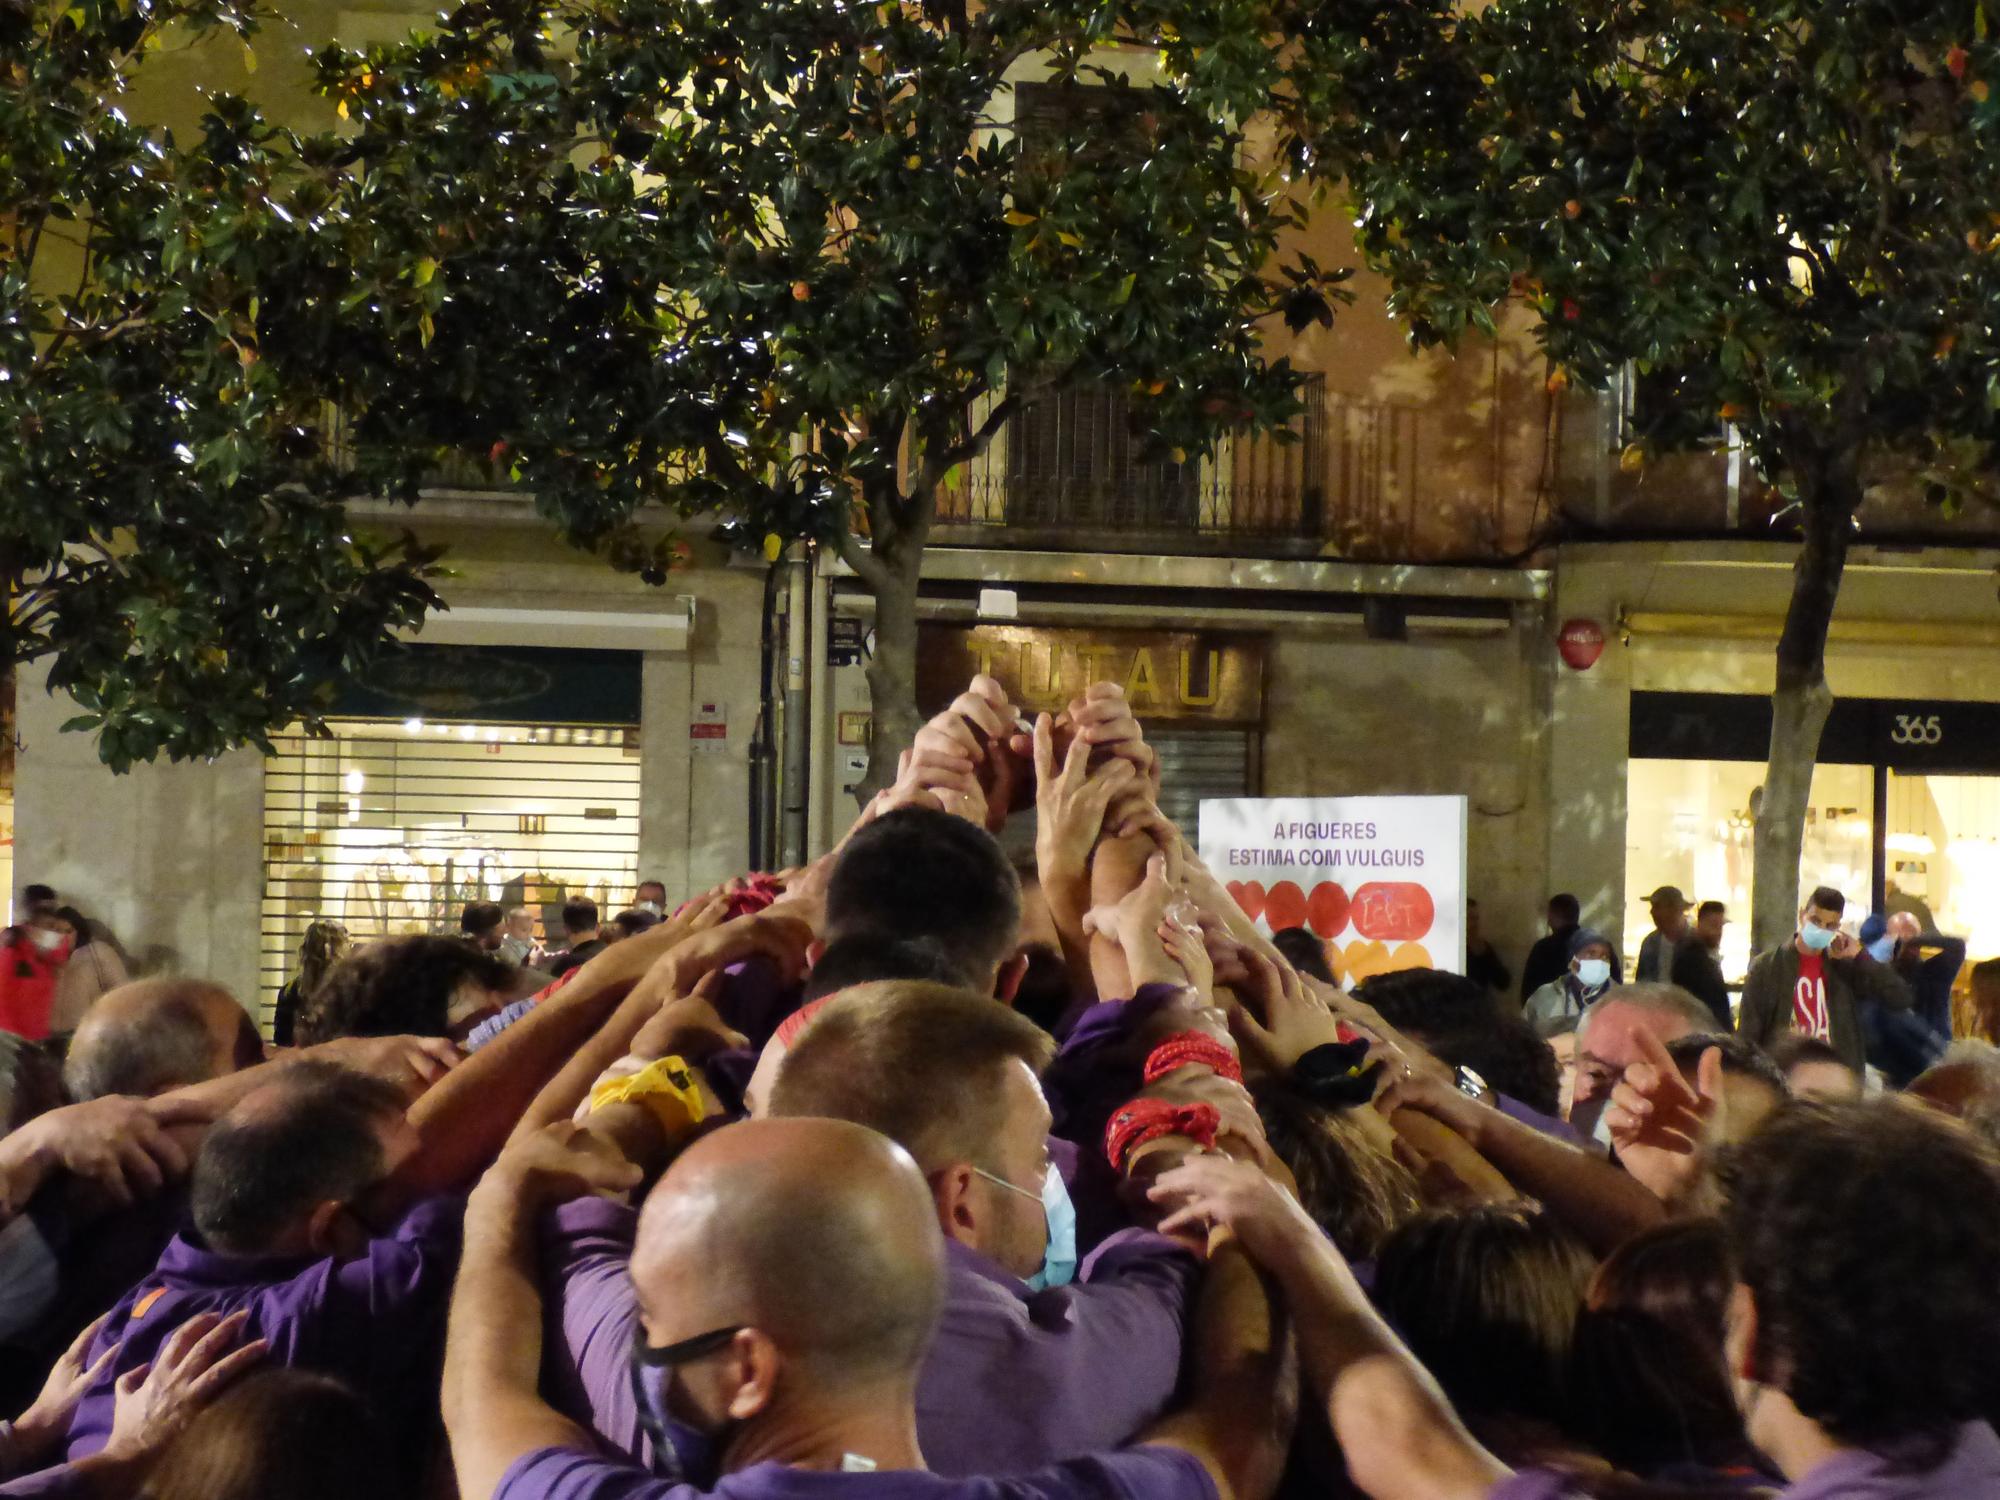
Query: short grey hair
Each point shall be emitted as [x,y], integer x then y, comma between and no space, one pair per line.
[1662,999]
[168,1047]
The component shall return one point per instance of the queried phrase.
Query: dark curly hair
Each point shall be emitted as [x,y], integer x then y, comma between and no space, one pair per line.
[398,987]
[1869,1237]
[1461,1023]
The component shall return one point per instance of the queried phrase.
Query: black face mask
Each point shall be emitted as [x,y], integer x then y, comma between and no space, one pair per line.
[681,1451]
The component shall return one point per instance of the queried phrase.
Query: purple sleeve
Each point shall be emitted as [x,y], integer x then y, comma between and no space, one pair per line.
[590,1313]
[755,998]
[568,1474]
[1086,1073]
[1548,1125]
[384,1312]
[492,1026]
[64,1482]
[1151,1471]
[1536,1484]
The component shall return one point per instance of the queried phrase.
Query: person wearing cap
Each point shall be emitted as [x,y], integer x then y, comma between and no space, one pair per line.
[1670,925]
[1593,966]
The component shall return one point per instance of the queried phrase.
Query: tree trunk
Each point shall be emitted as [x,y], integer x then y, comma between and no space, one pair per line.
[1830,494]
[891,565]
[892,672]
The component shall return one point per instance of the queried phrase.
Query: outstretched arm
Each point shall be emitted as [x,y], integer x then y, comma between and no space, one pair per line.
[1396,1430]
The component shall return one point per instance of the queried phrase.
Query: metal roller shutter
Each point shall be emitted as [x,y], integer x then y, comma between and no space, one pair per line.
[1200,763]
[392,827]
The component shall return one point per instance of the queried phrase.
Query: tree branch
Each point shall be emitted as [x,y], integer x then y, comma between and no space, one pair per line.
[867,567]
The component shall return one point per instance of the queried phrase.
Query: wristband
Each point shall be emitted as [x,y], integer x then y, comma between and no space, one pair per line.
[666,1089]
[1134,1124]
[1192,1049]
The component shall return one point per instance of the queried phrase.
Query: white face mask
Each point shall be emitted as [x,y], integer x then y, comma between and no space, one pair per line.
[1593,973]
[48,939]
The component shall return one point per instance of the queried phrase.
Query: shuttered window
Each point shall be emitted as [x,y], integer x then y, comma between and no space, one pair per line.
[1197,764]
[393,827]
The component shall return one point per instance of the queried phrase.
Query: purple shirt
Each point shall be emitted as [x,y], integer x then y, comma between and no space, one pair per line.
[377,1321]
[1015,1380]
[1146,1473]
[1548,1125]
[1970,1471]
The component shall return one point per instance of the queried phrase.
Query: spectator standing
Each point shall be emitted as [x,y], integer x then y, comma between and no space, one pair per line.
[1670,925]
[324,945]
[517,939]
[1593,966]
[32,955]
[579,917]
[94,967]
[1813,984]
[1550,956]
[483,924]
[1697,962]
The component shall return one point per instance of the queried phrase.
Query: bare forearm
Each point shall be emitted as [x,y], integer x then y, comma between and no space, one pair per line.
[1598,1201]
[493,1411]
[1398,1433]
[563,1093]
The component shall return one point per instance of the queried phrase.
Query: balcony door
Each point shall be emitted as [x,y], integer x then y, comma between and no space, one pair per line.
[1076,458]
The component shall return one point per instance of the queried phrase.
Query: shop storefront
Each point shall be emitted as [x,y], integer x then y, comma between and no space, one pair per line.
[1200,694]
[454,775]
[1904,812]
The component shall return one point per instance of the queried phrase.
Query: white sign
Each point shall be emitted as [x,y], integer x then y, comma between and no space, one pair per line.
[1379,880]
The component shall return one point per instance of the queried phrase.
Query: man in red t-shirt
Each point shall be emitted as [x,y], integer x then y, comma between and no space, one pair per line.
[1812,985]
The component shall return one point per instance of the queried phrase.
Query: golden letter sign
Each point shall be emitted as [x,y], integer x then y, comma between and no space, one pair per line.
[1165,674]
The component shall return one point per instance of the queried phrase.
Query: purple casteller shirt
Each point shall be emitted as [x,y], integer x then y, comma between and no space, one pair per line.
[1015,1380]
[1970,1471]
[1145,1473]
[377,1321]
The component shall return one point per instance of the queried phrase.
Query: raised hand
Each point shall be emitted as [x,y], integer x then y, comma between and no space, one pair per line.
[41,1428]
[410,1064]
[1279,1019]
[1215,1192]
[557,1163]
[1659,1121]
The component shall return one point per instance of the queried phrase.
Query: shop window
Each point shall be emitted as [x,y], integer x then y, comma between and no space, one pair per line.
[1942,855]
[1689,823]
[392,827]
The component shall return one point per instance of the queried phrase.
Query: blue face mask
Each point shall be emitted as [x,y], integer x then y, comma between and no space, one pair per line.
[682,1452]
[1882,949]
[1059,1260]
[1593,973]
[1059,1257]
[1817,939]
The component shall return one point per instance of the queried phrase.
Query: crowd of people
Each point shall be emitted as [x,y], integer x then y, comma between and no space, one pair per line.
[914,1175]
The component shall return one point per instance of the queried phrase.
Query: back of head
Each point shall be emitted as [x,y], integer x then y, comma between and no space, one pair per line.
[153,1035]
[920,1063]
[1965,1085]
[1428,1002]
[278,1433]
[480,917]
[1304,951]
[632,923]
[579,915]
[916,872]
[1739,1057]
[324,945]
[819,1233]
[1869,1237]
[307,1138]
[1488,1299]
[868,957]
[399,987]
[1355,1193]
[1650,1379]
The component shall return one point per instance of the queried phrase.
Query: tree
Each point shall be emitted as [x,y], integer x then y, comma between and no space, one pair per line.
[172,538]
[784,260]
[1781,212]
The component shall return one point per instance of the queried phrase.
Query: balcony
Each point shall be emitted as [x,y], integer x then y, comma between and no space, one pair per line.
[1351,478]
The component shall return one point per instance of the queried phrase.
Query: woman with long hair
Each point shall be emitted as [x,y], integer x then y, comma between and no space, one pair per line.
[324,945]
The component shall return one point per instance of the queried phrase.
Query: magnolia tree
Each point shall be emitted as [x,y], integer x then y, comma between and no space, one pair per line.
[790,262]
[172,540]
[1781,211]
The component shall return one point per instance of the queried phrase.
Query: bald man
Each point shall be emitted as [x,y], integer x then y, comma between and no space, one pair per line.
[789,1274]
[153,1035]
